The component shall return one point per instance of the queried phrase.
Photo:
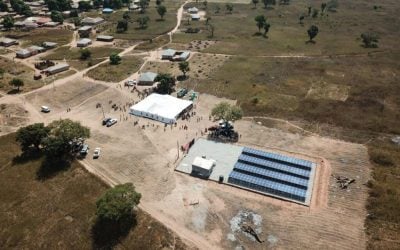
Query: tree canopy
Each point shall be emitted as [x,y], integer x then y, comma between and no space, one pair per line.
[32,136]
[161,10]
[122,26]
[312,32]
[184,67]
[370,39]
[260,20]
[3,6]
[118,202]
[57,16]
[17,83]
[143,20]
[21,7]
[227,112]
[59,5]
[166,84]
[8,22]
[84,5]
[85,54]
[115,59]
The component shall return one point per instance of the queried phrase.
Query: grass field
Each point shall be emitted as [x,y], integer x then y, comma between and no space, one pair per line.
[72,56]
[235,32]
[115,73]
[17,70]
[38,36]
[58,213]
[156,26]
[360,93]
[383,222]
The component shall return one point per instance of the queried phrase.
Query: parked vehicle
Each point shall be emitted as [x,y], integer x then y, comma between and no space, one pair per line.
[96,153]
[111,122]
[45,109]
[130,83]
[105,120]
[84,149]
[181,93]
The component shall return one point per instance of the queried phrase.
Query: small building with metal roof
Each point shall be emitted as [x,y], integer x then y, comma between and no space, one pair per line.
[147,78]
[168,54]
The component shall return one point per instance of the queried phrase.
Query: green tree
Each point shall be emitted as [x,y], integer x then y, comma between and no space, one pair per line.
[315,13]
[260,20]
[184,67]
[370,39]
[312,32]
[266,27]
[255,2]
[161,10]
[57,16]
[143,20]
[126,15]
[205,3]
[229,8]
[62,136]
[3,6]
[8,22]
[122,26]
[268,2]
[74,13]
[309,8]
[227,112]
[301,19]
[115,59]
[52,5]
[166,84]
[143,4]
[117,203]
[323,7]
[97,3]
[158,2]
[2,72]
[77,21]
[16,83]
[32,136]
[85,54]
[84,5]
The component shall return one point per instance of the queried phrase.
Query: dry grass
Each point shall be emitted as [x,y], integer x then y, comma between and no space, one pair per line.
[236,32]
[59,212]
[74,53]
[115,73]
[38,36]
[17,70]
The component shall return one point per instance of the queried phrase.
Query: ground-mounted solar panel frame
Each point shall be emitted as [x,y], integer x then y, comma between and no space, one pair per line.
[274,174]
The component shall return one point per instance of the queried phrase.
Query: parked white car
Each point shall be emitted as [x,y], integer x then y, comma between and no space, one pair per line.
[96,153]
[130,83]
[111,122]
[45,109]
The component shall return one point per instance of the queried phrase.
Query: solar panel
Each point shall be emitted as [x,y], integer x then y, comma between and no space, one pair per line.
[275,166]
[267,186]
[278,157]
[272,175]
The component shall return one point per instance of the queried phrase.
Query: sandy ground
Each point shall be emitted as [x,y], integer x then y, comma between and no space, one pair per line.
[147,156]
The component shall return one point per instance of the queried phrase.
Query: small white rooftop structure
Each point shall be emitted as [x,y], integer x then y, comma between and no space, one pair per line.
[51,24]
[85,28]
[104,38]
[57,68]
[163,108]
[23,53]
[6,42]
[168,54]
[195,17]
[147,78]
[202,166]
[49,45]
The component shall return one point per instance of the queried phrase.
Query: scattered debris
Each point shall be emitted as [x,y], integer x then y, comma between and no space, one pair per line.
[248,223]
[344,182]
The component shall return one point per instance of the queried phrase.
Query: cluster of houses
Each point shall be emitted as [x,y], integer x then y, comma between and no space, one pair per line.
[34,50]
[174,55]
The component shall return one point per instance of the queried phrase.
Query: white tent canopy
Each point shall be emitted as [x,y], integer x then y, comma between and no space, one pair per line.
[163,108]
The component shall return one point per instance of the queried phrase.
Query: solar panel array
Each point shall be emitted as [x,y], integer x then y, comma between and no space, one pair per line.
[271,173]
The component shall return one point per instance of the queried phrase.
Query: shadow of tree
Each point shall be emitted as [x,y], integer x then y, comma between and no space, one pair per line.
[107,233]
[13,91]
[50,167]
[310,42]
[27,156]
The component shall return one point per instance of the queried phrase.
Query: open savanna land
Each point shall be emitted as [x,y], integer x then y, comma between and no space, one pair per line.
[38,36]
[155,27]
[59,211]
[339,32]
[358,93]
[115,73]
[14,69]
